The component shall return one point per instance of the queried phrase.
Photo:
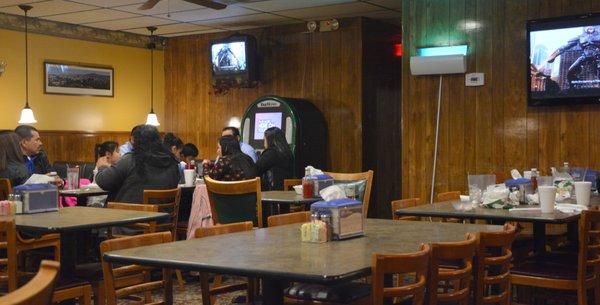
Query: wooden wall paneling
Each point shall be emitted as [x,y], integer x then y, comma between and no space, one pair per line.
[77,146]
[507,133]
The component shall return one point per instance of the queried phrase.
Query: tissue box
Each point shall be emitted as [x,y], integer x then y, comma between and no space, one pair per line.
[346,217]
[321,182]
[38,198]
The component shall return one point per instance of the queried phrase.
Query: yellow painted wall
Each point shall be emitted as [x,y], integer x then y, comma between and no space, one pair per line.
[128,107]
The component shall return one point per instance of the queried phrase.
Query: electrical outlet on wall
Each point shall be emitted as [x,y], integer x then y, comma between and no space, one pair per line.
[474,79]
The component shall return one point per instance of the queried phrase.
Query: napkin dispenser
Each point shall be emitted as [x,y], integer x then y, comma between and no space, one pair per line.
[321,182]
[38,198]
[346,217]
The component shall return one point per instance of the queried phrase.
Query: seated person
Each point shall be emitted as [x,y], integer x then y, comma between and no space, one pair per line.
[189,153]
[245,147]
[149,166]
[12,165]
[108,151]
[173,144]
[232,164]
[276,161]
[34,157]
[127,147]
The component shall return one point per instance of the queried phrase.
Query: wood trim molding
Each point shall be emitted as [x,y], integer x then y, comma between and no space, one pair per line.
[74,31]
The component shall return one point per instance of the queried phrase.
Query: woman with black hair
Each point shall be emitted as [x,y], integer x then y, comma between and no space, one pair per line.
[173,144]
[108,150]
[232,164]
[276,161]
[12,166]
[149,166]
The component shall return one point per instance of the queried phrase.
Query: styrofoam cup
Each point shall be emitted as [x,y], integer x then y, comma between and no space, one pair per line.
[547,198]
[190,177]
[583,191]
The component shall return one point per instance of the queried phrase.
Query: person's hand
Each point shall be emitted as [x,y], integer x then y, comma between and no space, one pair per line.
[205,161]
[102,162]
[58,182]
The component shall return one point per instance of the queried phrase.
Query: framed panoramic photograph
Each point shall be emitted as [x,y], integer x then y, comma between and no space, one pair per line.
[77,79]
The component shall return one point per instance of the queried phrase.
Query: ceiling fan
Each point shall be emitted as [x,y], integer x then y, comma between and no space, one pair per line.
[207,3]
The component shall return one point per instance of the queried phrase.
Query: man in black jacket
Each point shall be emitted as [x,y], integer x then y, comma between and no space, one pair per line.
[31,146]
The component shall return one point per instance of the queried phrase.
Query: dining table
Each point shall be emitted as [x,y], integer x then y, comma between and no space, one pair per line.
[277,256]
[523,213]
[69,221]
[83,193]
[280,202]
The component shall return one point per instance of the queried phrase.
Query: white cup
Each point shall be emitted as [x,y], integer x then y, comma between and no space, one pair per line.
[547,198]
[583,191]
[190,177]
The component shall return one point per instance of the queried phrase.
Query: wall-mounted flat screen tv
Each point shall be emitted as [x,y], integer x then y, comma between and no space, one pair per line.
[234,58]
[564,60]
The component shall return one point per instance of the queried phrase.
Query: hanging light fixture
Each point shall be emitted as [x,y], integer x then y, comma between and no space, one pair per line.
[26,114]
[152,119]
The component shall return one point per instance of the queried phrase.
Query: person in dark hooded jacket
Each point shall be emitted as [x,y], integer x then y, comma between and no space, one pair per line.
[149,166]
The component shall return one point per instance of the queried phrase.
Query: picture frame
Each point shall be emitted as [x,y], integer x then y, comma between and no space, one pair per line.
[78,79]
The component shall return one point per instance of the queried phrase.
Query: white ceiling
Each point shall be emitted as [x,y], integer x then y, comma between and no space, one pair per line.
[178,17]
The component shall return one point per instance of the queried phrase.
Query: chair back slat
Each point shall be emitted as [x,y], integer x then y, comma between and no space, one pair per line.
[121,281]
[493,262]
[403,204]
[224,229]
[289,218]
[415,264]
[167,202]
[589,245]
[235,201]
[450,270]
[39,290]
[350,177]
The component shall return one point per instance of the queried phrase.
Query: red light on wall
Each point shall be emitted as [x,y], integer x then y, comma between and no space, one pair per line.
[398,50]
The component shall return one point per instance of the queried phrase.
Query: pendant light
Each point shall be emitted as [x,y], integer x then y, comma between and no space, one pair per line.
[26,114]
[152,119]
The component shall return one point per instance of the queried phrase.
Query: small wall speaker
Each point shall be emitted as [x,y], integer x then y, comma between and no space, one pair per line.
[436,65]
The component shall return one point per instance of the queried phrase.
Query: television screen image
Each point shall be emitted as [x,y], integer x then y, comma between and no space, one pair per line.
[264,121]
[229,57]
[565,62]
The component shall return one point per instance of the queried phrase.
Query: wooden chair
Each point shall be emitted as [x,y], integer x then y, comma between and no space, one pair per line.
[416,263]
[5,188]
[286,219]
[289,183]
[492,266]
[125,281]
[38,291]
[167,202]
[149,227]
[209,294]
[451,270]
[65,289]
[235,201]
[350,177]
[578,272]
[403,204]
[447,197]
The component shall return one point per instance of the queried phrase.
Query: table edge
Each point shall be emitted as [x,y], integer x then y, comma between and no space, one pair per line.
[406,212]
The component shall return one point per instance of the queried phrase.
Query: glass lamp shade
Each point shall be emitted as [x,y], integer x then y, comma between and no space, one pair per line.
[27,116]
[152,119]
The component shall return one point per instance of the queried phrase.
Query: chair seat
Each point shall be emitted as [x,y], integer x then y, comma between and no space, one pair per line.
[341,293]
[89,271]
[557,266]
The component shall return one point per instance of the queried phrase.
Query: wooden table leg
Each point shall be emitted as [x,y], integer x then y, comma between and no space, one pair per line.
[273,291]
[539,238]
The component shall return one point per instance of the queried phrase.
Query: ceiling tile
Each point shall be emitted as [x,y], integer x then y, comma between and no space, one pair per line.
[206,14]
[47,8]
[171,28]
[108,3]
[97,15]
[5,3]
[393,4]
[255,20]
[280,5]
[330,11]
[162,7]
[130,23]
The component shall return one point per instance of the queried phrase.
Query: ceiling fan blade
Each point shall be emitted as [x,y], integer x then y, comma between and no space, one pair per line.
[148,5]
[208,3]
